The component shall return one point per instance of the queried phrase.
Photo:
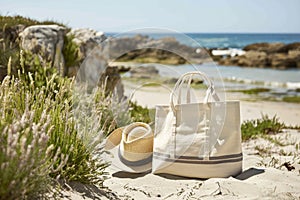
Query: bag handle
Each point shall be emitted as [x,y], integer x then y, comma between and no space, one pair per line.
[178,86]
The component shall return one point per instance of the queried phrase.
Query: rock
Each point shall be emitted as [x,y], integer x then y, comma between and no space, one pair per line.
[12,33]
[122,46]
[171,81]
[264,55]
[112,80]
[144,72]
[46,40]
[197,81]
[123,69]
[95,71]
[249,59]
[264,47]
[144,49]
[3,72]
[253,59]
[282,61]
[290,47]
[86,39]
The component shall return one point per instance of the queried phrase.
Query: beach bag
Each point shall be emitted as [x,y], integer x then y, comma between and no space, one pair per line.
[199,140]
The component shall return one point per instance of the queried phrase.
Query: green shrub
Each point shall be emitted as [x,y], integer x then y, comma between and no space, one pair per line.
[9,51]
[69,149]
[139,113]
[70,52]
[291,99]
[9,21]
[252,90]
[260,127]
[25,157]
[48,100]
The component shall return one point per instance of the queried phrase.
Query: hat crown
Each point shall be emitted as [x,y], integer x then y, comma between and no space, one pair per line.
[136,132]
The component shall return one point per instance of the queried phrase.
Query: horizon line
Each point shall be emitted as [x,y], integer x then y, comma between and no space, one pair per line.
[210,32]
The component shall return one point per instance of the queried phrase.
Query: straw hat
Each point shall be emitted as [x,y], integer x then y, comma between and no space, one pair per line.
[130,148]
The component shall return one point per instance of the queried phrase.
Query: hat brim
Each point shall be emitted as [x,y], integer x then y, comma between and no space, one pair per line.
[112,155]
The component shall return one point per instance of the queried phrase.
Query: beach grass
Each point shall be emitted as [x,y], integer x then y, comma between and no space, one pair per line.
[10,21]
[291,99]
[252,90]
[261,127]
[41,142]
[264,127]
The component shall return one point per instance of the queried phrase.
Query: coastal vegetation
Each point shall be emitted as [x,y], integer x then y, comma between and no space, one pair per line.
[291,99]
[11,21]
[39,137]
[252,90]
[40,143]
[263,127]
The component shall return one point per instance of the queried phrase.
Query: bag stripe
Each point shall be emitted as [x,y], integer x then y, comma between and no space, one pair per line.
[199,160]
[208,162]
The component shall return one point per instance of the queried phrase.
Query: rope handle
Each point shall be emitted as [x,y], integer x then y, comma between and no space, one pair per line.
[178,86]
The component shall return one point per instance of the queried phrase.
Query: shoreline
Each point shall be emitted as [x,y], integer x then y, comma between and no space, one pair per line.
[287,112]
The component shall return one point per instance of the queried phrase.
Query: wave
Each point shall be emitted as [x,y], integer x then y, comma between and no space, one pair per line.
[275,84]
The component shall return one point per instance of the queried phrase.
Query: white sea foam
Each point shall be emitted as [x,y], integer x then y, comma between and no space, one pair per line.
[293,85]
[228,52]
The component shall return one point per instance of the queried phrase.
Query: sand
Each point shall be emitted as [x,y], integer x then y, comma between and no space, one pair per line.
[264,177]
[265,165]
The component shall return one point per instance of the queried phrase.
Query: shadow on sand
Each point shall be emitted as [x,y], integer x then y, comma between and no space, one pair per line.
[89,191]
[249,173]
[243,176]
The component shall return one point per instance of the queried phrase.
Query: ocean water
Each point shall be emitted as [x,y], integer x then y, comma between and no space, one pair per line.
[236,76]
[240,40]
[224,40]
[241,77]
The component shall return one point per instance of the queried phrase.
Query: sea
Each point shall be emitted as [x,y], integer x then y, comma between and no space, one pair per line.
[233,76]
[230,40]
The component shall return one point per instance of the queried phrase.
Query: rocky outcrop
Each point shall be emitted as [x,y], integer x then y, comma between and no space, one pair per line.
[49,41]
[46,40]
[265,55]
[143,72]
[250,58]
[86,39]
[95,71]
[146,50]
[264,47]
[290,48]
[273,47]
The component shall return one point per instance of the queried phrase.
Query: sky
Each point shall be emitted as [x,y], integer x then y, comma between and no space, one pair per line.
[207,16]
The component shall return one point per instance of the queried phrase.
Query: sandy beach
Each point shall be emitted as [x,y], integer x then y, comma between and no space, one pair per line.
[265,173]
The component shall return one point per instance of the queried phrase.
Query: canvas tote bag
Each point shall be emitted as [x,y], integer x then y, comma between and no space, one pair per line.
[200,140]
